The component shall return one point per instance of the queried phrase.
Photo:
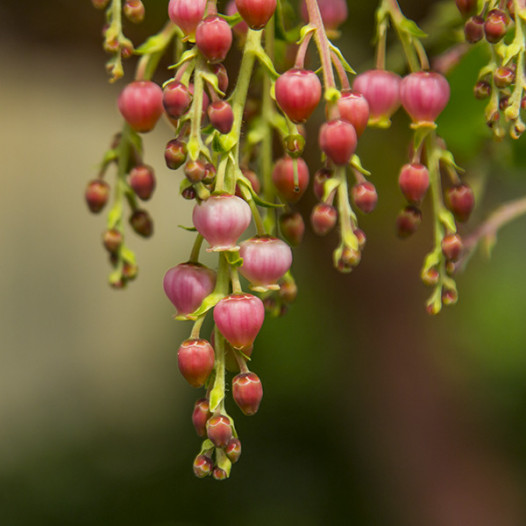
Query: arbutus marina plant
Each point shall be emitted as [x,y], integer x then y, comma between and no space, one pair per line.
[222,133]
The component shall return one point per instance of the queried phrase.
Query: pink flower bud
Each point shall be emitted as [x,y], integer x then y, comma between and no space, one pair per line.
[200,416]
[414,181]
[203,466]
[323,218]
[247,392]
[142,181]
[221,219]
[338,141]
[233,449]
[354,108]
[186,13]
[381,89]
[292,227]
[283,178]
[213,38]
[424,95]
[256,13]
[460,200]
[240,29]
[219,430]
[141,105]
[298,92]
[265,260]
[97,194]
[364,196]
[452,246]
[221,116]
[408,221]
[176,99]
[196,361]
[239,318]
[187,285]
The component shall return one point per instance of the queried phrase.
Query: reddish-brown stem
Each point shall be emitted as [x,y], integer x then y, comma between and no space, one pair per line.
[302,51]
[322,42]
[340,70]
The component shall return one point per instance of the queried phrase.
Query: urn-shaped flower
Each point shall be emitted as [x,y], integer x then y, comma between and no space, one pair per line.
[265,261]
[239,318]
[221,219]
[187,285]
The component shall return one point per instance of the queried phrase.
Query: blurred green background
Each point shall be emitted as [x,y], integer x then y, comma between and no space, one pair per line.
[373,414]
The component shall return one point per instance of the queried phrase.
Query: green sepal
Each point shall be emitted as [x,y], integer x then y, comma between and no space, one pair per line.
[356,163]
[332,95]
[217,395]
[262,202]
[223,462]
[110,156]
[114,215]
[231,19]
[447,219]
[193,148]
[304,31]
[344,62]
[208,303]
[234,259]
[128,255]
[189,54]
[447,158]
[434,303]
[410,27]
[265,61]
[135,140]
[188,228]
[329,187]
[206,447]
[185,183]
[433,259]
[211,80]
[115,276]
[226,143]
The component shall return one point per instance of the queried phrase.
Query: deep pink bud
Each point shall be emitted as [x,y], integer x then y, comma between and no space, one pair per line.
[239,318]
[175,154]
[176,99]
[141,222]
[187,285]
[142,181]
[474,29]
[452,246]
[247,392]
[338,141]
[213,38]
[97,194]
[460,200]
[221,219]
[364,196]
[298,92]
[265,261]
[233,449]
[203,466]
[256,13]
[292,227]
[466,7]
[200,416]
[333,12]
[323,218]
[381,89]
[221,116]
[222,76]
[496,25]
[196,361]
[354,108]
[408,221]
[424,95]
[283,178]
[414,181]
[141,105]
[186,13]
[219,430]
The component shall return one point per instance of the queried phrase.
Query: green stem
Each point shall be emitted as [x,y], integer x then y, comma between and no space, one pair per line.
[196,329]
[346,214]
[149,62]
[194,256]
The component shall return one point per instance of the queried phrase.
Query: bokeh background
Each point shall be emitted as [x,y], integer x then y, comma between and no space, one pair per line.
[374,413]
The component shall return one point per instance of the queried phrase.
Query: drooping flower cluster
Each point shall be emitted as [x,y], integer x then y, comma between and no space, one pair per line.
[238,147]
